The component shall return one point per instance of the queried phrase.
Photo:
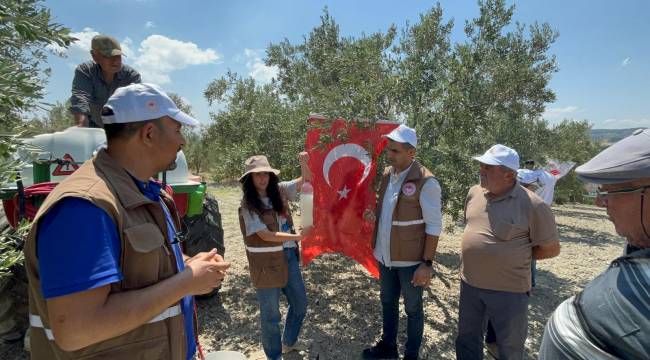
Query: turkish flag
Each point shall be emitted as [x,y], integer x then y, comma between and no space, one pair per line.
[342,159]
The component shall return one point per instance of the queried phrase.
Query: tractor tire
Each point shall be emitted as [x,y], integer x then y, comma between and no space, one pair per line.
[204,232]
[13,297]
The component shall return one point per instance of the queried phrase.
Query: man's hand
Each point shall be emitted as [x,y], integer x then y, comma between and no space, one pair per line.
[206,271]
[369,215]
[81,119]
[422,276]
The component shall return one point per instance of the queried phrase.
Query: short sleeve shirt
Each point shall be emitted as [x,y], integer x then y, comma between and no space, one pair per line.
[253,222]
[78,248]
[496,246]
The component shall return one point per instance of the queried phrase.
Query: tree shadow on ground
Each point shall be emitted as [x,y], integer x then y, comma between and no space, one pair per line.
[225,331]
[588,237]
[591,215]
[548,293]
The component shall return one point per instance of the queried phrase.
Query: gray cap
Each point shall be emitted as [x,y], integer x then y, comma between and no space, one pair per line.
[626,160]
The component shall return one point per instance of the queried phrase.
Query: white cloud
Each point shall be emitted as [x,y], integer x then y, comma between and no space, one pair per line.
[78,50]
[623,123]
[257,69]
[558,114]
[625,62]
[158,56]
[127,48]
[149,25]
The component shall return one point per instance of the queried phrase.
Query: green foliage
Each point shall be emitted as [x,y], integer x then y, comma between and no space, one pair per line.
[254,120]
[58,118]
[196,142]
[462,97]
[338,77]
[26,30]
[11,248]
[571,141]
[493,91]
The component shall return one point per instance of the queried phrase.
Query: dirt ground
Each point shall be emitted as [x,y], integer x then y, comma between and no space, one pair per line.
[344,313]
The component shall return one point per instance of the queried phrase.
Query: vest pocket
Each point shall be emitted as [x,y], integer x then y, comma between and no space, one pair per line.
[411,242]
[142,259]
[268,269]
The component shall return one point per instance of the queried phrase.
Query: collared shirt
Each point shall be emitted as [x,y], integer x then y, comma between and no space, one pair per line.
[496,246]
[431,213]
[90,91]
[253,222]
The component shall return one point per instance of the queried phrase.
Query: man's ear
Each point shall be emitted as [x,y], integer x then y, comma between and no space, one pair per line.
[94,56]
[148,133]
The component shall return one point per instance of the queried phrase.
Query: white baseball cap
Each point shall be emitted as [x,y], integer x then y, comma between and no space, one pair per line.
[500,155]
[141,102]
[403,134]
[527,176]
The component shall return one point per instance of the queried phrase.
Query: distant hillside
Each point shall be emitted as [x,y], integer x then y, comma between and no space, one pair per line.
[610,135]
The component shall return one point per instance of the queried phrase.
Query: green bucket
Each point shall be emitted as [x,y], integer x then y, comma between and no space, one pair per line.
[195,201]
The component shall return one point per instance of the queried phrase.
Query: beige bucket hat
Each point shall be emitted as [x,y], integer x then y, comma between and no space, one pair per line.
[257,163]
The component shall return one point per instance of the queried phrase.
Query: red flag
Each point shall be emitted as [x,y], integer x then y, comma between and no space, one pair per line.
[343,168]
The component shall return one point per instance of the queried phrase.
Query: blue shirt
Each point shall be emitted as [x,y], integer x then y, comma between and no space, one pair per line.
[79,249]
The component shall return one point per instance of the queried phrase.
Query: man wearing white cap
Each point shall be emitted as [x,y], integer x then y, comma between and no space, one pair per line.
[405,240]
[506,227]
[610,317]
[107,278]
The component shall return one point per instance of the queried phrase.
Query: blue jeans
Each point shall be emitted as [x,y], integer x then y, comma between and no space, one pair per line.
[395,281]
[270,317]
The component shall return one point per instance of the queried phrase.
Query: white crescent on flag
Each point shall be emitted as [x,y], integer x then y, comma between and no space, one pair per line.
[346,150]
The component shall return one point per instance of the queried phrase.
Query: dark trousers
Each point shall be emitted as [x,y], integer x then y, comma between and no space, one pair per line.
[395,281]
[491,336]
[508,313]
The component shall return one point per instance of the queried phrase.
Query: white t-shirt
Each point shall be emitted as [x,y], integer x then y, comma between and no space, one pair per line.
[253,222]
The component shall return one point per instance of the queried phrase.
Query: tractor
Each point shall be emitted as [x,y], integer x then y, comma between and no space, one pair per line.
[57,156]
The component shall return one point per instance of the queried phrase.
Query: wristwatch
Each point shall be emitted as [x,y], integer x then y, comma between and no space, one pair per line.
[428,263]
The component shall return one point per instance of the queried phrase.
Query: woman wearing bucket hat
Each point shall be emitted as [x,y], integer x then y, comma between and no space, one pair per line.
[272,251]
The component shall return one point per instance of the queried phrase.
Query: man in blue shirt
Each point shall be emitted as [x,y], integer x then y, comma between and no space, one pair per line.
[106,271]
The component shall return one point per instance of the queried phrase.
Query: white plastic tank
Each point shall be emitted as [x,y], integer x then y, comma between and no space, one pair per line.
[77,145]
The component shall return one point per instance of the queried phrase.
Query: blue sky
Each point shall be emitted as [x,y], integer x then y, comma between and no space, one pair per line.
[603,51]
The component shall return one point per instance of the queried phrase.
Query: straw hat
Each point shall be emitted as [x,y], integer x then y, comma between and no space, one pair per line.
[257,163]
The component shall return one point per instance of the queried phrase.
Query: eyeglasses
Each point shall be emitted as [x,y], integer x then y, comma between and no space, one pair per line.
[604,194]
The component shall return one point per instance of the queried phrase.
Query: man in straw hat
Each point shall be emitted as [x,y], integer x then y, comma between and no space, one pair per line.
[95,81]
[107,277]
[610,317]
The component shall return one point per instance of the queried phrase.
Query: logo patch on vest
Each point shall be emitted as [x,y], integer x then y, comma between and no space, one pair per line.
[408,189]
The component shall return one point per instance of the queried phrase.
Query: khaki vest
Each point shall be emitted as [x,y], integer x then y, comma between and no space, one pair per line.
[407,235]
[266,261]
[146,259]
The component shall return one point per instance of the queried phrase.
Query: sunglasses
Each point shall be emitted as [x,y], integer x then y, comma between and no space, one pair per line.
[604,194]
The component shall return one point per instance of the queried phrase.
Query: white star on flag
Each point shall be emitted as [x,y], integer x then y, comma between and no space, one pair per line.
[343,194]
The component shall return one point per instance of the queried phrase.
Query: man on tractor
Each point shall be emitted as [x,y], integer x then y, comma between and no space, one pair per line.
[95,81]
[107,277]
